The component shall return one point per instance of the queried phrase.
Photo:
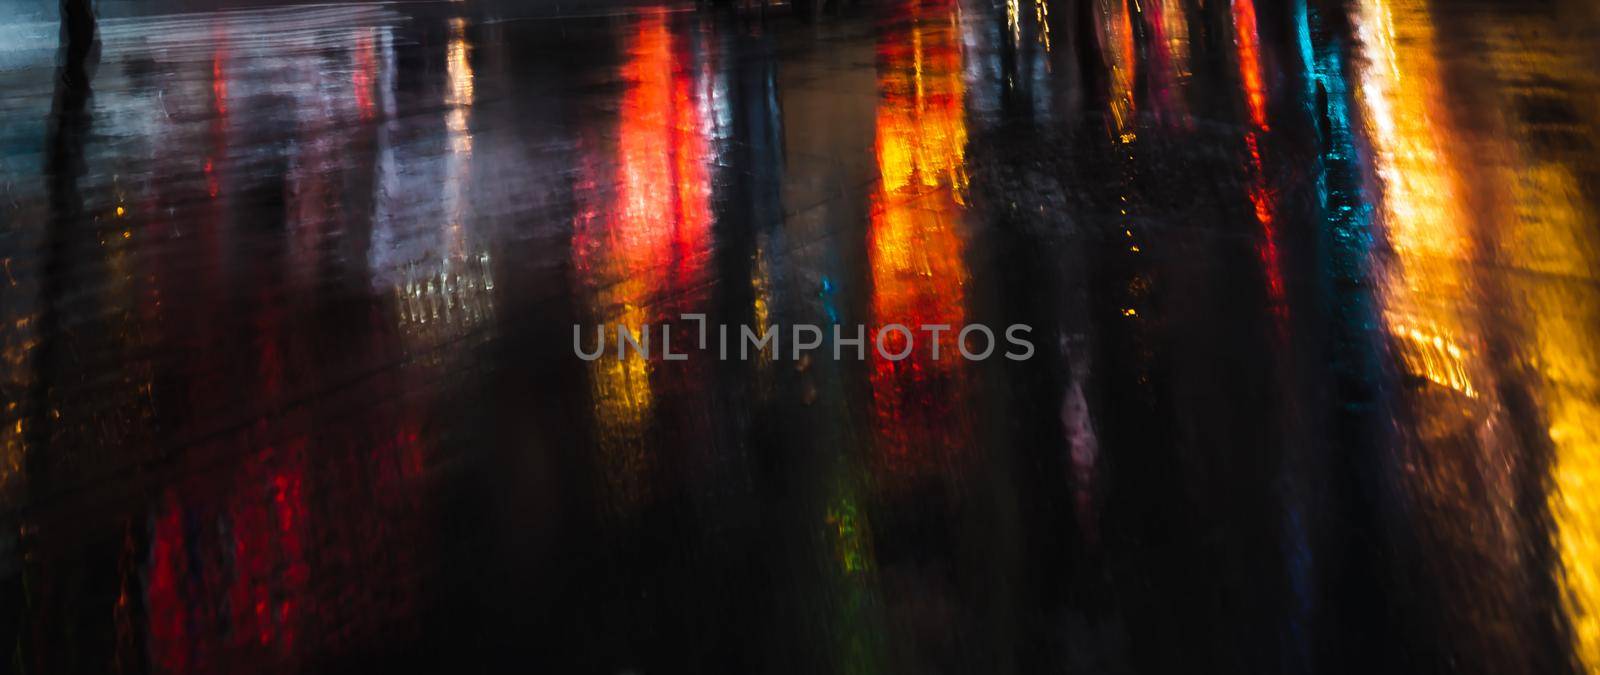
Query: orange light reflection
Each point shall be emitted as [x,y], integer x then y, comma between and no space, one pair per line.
[1249,44]
[914,247]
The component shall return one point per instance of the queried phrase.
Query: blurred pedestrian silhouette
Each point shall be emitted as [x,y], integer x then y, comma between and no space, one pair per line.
[64,147]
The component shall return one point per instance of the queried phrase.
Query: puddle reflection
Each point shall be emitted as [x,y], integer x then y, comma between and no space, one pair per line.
[641,241]
[285,339]
[915,244]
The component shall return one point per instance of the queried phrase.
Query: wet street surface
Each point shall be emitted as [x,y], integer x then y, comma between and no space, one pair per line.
[290,383]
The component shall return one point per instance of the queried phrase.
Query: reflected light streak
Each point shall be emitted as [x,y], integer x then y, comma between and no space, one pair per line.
[1262,202]
[1262,198]
[1421,198]
[219,81]
[219,122]
[1459,457]
[1114,30]
[459,96]
[1248,41]
[1169,59]
[231,584]
[922,132]
[303,549]
[914,248]
[443,296]
[361,76]
[1014,21]
[1041,15]
[652,240]
[458,163]
[1551,241]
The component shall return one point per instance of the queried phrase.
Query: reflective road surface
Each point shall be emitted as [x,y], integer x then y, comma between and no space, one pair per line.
[289,378]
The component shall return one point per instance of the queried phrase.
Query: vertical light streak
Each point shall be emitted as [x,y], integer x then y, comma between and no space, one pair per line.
[1114,29]
[1459,457]
[365,67]
[458,101]
[456,291]
[914,247]
[1550,242]
[651,240]
[1169,60]
[1262,198]
[1421,207]
[1248,41]
[1041,16]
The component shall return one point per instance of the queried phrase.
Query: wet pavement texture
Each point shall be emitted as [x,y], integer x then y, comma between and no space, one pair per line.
[290,385]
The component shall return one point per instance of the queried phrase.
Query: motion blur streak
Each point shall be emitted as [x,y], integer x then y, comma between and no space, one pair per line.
[1549,242]
[636,252]
[1465,460]
[1248,40]
[1114,30]
[914,241]
[1169,61]
[287,294]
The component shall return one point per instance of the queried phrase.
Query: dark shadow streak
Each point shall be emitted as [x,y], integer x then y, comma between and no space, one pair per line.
[64,164]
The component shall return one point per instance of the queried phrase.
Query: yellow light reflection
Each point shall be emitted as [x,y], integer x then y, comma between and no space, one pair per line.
[1426,293]
[457,66]
[1041,16]
[914,247]
[1550,243]
[922,131]
[1526,241]
[459,96]
[1459,458]
[1014,21]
